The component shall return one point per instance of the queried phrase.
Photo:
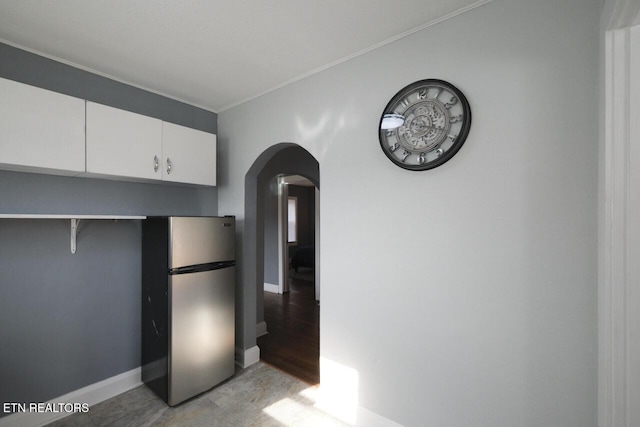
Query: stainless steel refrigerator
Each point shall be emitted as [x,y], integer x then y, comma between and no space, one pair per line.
[188,304]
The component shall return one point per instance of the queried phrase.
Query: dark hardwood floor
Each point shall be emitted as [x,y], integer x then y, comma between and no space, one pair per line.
[293,322]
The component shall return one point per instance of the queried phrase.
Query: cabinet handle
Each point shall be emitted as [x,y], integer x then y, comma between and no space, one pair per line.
[168,166]
[156,163]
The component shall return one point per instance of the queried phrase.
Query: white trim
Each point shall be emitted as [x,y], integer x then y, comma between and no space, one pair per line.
[245,100]
[105,75]
[367,418]
[261,329]
[68,216]
[632,296]
[283,235]
[618,309]
[361,52]
[270,287]
[617,14]
[246,358]
[283,263]
[612,390]
[91,394]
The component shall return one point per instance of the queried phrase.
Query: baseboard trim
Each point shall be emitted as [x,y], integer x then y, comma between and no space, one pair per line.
[261,329]
[270,287]
[367,418]
[91,394]
[246,358]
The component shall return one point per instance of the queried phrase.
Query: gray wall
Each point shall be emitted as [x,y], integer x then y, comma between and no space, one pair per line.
[25,67]
[72,320]
[271,235]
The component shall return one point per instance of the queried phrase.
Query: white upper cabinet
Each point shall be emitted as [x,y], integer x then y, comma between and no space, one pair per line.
[189,155]
[47,132]
[40,130]
[123,144]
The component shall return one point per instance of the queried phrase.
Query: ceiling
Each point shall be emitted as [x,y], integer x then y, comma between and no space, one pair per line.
[213,53]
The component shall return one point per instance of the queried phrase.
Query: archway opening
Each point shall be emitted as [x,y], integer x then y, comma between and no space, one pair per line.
[284,159]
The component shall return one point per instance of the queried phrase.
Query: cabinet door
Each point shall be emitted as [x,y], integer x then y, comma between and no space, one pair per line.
[189,155]
[40,130]
[123,144]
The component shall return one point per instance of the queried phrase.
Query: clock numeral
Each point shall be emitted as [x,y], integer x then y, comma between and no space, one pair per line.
[453,101]
[394,147]
[422,93]
[405,103]
[389,132]
[438,94]
[405,154]
[452,137]
[455,119]
[422,159]
[439,152]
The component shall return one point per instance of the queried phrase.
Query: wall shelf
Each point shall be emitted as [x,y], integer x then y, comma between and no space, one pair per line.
[75,221]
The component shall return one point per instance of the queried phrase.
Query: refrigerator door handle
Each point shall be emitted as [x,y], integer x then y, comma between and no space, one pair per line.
[218,265]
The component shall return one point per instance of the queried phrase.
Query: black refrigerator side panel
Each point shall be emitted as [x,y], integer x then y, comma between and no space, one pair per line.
[155,312]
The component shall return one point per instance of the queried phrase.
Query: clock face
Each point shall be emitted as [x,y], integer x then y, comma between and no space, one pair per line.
[424,125]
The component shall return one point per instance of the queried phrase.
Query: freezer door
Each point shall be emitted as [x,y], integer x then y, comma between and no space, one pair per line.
[202,339]
[200,240]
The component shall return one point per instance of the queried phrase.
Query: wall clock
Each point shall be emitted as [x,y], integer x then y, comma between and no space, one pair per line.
[425,124]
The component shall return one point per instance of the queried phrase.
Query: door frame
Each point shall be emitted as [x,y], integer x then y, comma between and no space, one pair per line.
[283,236]
[618,302]
[283,240]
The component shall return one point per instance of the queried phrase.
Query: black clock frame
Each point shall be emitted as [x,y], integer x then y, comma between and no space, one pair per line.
[457,144]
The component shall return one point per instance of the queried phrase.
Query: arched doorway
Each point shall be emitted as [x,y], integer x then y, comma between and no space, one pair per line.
[279,159]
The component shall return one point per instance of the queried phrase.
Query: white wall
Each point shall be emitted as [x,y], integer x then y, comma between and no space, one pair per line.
[464,295]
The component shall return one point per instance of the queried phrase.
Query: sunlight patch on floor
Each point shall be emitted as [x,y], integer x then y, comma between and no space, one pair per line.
[339,390]
[301,411]
[333,403]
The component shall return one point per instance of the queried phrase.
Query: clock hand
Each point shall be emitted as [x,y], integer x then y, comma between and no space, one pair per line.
[433,127]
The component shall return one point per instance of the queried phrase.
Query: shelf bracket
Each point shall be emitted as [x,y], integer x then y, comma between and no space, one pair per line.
[74,233]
